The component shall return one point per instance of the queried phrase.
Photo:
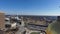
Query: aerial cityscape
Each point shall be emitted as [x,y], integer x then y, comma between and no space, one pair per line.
[25,24]
[29,16]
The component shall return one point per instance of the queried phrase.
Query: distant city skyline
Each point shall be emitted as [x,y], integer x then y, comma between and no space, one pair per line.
[30,7]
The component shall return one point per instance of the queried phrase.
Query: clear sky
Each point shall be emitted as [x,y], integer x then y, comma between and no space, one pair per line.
[30,7]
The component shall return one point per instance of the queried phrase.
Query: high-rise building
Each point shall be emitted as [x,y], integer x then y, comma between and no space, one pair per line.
[2,20]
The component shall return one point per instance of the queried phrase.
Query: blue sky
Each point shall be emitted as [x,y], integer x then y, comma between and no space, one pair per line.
[30,7]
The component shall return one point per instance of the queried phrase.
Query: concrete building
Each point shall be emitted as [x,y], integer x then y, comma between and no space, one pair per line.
[2,20]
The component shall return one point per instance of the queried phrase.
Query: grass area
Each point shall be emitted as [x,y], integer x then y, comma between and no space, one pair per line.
[35,33]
